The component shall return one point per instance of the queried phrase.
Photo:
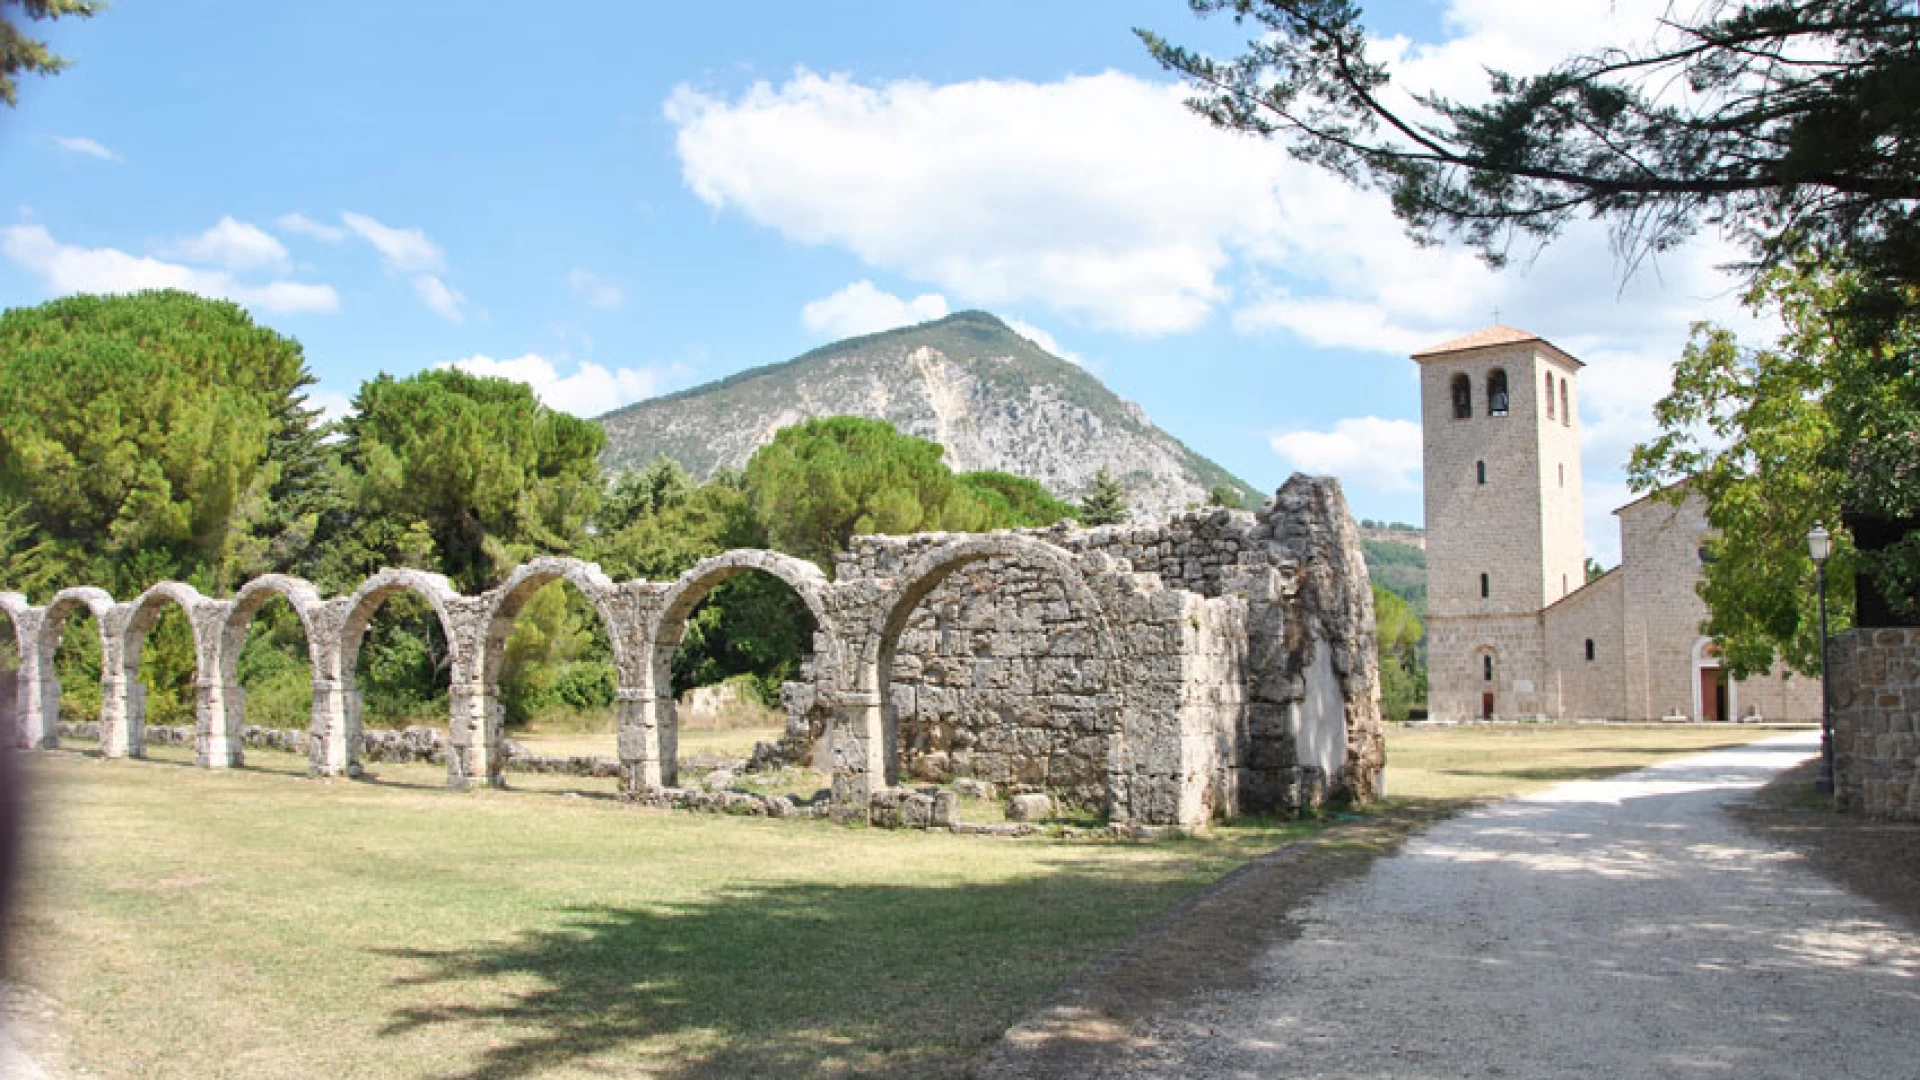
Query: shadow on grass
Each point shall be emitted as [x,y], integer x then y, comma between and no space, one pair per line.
[784,980]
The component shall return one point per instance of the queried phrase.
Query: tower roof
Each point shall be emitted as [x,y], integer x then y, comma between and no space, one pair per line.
[1491,337]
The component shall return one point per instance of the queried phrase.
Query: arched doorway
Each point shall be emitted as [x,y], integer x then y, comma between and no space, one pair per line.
[269,668]
[160,657]
[555,659]
[74,674]
[1485,681]
[1009,678]
[1715,696]
[783,600]
[397,672]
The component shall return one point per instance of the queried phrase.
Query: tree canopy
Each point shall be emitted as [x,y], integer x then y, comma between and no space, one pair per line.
[1778,438]
[141,432]
[20,53]
[822,482]
[1793,123]
[492,474]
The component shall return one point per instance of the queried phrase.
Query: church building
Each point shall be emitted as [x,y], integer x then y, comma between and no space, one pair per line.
[1514,628]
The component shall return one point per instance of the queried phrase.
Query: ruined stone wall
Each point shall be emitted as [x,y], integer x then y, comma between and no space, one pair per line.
[1210,665]
[1875,682]
[1248,660]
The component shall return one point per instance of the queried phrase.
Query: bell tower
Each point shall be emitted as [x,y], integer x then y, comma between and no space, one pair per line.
[1505,538]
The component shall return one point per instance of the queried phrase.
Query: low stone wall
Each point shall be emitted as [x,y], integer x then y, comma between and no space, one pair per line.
[422,744]
[1875,684]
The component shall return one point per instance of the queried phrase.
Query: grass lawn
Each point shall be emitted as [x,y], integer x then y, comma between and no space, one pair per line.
[1475,762]
[256,923]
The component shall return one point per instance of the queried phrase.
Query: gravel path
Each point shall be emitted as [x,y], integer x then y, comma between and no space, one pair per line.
[1619,928]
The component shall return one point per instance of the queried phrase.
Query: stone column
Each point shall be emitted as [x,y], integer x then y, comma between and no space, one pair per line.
[640,766]
[217,724]
[45,691]
[474,751]
[216,738]
[120,699]
[859,752]
[333,738]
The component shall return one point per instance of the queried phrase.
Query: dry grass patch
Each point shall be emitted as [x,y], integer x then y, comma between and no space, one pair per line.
[255,923]
[1473,763]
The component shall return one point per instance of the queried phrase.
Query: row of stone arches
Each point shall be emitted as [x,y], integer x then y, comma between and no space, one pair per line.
[858,624]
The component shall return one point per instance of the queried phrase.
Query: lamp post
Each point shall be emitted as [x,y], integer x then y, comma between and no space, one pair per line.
[1820,545]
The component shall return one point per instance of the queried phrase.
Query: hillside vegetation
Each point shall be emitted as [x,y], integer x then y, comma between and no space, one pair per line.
[993,399]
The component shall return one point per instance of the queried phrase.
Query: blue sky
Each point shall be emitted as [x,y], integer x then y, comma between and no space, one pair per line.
[629,199]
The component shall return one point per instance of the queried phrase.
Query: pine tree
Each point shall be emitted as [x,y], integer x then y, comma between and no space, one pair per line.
[1106,504]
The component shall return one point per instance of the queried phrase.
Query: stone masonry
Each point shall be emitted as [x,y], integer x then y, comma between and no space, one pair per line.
[1514,629]
[1876,721]
[1214,664]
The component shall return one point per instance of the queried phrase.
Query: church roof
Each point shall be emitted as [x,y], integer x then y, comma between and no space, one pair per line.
[1490,337]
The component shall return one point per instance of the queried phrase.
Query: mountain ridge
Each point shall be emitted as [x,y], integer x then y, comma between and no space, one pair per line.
[993,398]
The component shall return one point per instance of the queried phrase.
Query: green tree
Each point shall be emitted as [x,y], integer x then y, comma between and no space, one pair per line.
[1106,504]
[662,543]
[1225,495]
[822,482]
[1401,642]
[1005,501]
[492,474]
[639,492]
[142,433]
[1776,439]
[20,53]
[1799,130]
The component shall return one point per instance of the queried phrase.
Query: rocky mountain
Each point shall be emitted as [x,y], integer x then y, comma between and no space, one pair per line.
[994,399]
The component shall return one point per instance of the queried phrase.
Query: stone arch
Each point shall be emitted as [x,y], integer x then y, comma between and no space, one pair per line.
[1709,680]
[366,600]
[113,732]
[230,718]
[507,600]
[668,626]
[138,619]
[342,651]
[21,617]
[1485,680]
[302,597]
[878,732]
[1498,402]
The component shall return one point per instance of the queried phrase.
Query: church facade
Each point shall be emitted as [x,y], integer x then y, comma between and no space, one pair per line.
[1514,628]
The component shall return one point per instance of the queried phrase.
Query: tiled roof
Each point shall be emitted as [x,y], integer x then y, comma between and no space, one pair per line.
[1480,339]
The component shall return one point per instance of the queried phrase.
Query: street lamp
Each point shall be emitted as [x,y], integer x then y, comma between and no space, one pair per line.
[1820,545]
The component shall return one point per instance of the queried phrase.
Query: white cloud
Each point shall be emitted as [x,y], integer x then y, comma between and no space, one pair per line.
[862,308]
[409,252]
[1044,340]
[68,268]
[596,290]
[333,404]
[405,251]
[80,144]
[1100,196]
[443,299]
[297,222]
[1364,452]
[235,245]
[590,391]
[1602,528]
